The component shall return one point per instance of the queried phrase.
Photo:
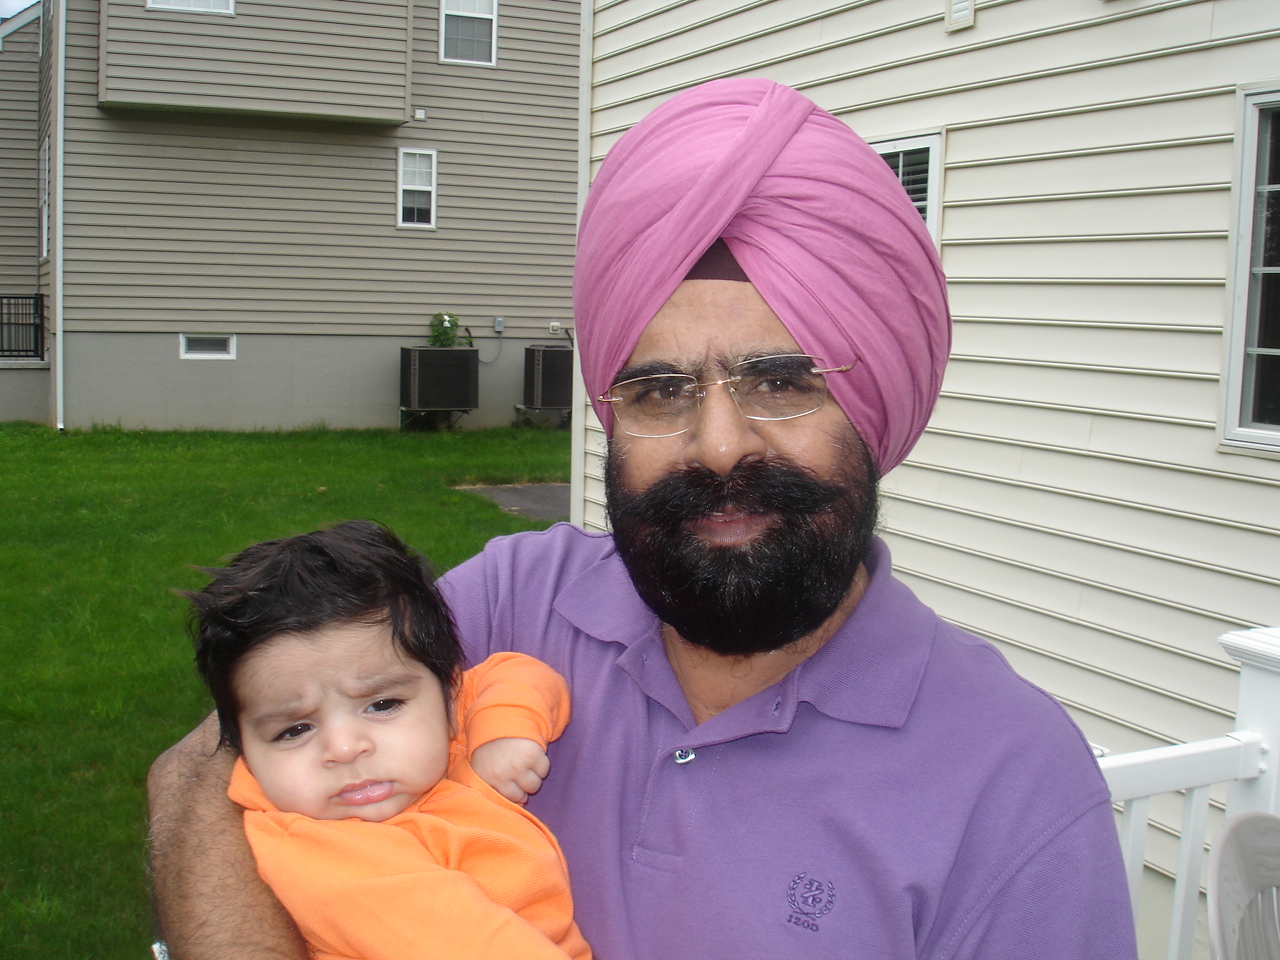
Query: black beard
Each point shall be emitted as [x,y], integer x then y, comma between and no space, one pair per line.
[764,594]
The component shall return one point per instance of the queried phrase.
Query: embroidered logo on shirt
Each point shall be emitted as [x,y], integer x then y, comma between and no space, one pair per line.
[811,900]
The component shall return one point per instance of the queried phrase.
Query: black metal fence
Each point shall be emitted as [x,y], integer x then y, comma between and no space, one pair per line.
[22,327]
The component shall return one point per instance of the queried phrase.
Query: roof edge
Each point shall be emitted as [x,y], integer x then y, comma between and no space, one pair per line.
[18,21]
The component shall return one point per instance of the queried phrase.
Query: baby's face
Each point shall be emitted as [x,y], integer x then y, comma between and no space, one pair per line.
[337,724]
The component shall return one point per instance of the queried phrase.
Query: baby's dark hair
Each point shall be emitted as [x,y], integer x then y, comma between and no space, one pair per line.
[355,572]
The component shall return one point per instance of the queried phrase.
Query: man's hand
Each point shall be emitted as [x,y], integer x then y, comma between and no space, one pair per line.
[210,903]
[513,766]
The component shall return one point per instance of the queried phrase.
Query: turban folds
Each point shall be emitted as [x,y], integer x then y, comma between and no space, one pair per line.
[816,219]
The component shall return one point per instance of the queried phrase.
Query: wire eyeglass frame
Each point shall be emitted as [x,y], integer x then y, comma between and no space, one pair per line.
[693,391]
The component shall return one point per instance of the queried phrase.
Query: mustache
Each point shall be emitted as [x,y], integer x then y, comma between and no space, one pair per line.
[768,485]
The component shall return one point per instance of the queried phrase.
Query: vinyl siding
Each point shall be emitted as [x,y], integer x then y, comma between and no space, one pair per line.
[323,59]
[276,226]
[1070,499]
[19,149]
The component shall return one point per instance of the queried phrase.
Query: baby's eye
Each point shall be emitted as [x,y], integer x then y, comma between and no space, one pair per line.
[293,732]
[386,705]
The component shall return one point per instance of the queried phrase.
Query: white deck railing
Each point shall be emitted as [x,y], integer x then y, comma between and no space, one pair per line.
[1240,759]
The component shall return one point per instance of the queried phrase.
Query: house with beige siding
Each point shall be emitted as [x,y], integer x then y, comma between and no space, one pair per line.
[238,212]
[1098,492]
[23,369]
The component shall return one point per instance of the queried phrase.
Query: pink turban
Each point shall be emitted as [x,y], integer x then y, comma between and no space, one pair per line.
[816,219]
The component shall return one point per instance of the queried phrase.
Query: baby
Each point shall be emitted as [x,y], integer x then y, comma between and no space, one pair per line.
[381,785]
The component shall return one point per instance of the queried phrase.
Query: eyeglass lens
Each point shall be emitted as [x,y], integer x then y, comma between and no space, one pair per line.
[767,388]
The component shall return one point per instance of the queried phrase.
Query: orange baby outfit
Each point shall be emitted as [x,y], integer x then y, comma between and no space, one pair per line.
[462,873]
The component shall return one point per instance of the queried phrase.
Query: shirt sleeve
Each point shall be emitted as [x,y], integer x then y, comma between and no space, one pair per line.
[512,695]
[466,590]
[372,891]
[1067,900]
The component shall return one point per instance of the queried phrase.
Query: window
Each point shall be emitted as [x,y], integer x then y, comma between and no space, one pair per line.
[915,162]
[204,346]
[1253,381]
[417,188]
[959,14]
[468,31]
[42,181]
[197,6]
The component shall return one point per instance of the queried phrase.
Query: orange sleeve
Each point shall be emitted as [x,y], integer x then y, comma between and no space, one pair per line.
[373,891]
[511,695]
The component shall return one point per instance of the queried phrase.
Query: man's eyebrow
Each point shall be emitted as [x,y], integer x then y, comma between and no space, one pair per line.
[652,368]
[779,363]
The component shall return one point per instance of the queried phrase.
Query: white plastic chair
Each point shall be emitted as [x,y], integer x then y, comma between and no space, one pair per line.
[1244,889]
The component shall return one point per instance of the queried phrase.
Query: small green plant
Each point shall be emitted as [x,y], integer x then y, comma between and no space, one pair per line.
[446,331]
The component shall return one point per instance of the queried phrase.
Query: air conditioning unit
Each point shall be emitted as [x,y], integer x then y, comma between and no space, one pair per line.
[548,377]
[439,378]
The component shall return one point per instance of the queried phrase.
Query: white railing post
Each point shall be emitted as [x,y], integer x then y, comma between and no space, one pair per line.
[1258,709]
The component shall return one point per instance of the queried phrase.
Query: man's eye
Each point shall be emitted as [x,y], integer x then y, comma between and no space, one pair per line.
[779,384]
[386,705]
[661,390]
[293,732]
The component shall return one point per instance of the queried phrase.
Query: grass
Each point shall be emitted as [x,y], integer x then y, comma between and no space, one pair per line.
[97,528]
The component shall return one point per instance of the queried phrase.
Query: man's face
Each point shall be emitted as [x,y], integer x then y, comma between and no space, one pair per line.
[743,535]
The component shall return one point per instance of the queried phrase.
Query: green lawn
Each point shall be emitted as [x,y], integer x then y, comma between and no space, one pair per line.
[97,528]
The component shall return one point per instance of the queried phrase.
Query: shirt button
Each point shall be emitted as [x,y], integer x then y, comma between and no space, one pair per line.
[683,756]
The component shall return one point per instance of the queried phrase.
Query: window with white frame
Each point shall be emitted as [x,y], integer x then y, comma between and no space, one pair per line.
[959,14]
[1253,382]
[207,346]
[468,31]
[916,162]
[417,188]
[42,177]
[195,6]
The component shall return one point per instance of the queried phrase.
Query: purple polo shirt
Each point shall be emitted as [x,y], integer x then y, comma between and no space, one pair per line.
[901,794]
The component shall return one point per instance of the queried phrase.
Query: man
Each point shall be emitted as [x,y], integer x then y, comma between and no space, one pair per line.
[776,750]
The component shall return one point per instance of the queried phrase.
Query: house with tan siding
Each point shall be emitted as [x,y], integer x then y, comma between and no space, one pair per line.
[252,206]
[1098,492]
[23,367]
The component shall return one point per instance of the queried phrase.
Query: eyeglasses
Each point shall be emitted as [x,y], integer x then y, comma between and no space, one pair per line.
[780,387]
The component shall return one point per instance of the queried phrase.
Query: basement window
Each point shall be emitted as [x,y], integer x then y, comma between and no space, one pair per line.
[203,346]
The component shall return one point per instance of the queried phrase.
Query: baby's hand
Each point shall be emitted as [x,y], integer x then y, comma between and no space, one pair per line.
[513,766]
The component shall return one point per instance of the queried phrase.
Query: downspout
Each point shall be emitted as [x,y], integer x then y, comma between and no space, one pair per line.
[59,139]
[578,437]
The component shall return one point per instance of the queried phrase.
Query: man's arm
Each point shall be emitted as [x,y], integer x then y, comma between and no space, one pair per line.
[1068,901]
[210,903]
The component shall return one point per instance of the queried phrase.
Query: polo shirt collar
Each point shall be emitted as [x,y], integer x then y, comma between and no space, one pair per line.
[869,672]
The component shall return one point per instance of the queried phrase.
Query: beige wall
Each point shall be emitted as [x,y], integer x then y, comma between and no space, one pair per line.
[139,381]
[284,227]
[24,391]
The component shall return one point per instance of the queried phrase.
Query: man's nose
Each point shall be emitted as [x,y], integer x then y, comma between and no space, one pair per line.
[721,437]
[346,742]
